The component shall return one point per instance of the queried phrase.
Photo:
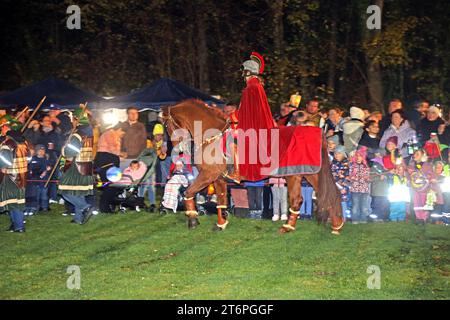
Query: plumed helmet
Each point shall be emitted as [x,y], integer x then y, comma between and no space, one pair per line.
[254,66]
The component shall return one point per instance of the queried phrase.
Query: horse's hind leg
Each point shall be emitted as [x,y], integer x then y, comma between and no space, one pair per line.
[221,191]
[295,201]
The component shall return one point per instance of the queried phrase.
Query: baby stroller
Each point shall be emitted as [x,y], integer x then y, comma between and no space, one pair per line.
[125,195]
[129,199]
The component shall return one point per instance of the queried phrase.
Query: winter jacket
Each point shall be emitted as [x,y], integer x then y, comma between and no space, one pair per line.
[135,139]
[360,177]
[353,130]
[427,127]
[403,133]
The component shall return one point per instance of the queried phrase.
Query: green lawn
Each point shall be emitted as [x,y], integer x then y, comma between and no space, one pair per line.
[147,256]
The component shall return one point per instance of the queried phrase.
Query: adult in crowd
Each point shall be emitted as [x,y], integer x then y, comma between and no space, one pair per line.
[62,126]
[287,111]
[229,109]
[77,181]
[42,132]
[353,129]
[394,104]
[312,112]
[430,124]
[162,163]
[401,129]
[334,124]
[370,137]
[419,112]
[108,156]
[375,116]
[108,151]
[135,138]
[156,146]
[13,177]
[444,131]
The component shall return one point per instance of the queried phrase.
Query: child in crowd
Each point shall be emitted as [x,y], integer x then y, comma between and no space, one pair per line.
[38,172]
[255,197]
[178,178]
[307,204]
[340,171]
[332,143]
[379,188]
[392,153]
[279,198]
[425,190]
[399,196]
[439,171]
[359,186]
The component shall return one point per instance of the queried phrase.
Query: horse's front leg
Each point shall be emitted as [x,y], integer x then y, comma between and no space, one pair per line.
[220,186]
[201,182]
[295,201]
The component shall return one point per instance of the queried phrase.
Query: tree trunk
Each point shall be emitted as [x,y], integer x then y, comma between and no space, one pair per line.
[374,75]
[332,50]
[202,50]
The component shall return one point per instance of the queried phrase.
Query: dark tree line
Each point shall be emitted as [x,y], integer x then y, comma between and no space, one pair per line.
[317,47]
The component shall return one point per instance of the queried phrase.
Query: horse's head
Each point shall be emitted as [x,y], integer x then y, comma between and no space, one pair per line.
[176,128]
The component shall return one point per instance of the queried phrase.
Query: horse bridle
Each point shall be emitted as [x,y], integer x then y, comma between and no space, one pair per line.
[206,141]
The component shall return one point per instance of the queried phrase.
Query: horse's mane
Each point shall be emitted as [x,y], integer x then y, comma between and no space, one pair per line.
[202,105]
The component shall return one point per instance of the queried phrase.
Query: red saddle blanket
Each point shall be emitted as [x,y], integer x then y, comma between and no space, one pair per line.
[300,151]
[297,150]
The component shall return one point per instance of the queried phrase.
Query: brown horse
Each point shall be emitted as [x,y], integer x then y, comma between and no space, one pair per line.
[182,117]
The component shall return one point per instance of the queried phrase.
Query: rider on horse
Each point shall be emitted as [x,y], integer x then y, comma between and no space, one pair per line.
[254,113]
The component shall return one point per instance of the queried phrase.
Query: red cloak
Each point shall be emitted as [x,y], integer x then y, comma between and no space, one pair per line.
[254,113]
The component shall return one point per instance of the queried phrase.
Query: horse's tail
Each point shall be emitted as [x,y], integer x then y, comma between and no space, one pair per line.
[329,197]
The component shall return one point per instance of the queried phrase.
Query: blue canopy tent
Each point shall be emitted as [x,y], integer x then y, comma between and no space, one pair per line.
[162,92]
[59,94]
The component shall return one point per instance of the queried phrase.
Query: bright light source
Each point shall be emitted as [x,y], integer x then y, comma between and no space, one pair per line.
[110,119]
[399,193]
[373,216]
[445,185]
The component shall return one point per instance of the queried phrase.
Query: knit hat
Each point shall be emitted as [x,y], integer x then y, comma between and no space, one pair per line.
[158,129]
[362,152]
[334,139]
[340,149]
[356,113]
[393,139]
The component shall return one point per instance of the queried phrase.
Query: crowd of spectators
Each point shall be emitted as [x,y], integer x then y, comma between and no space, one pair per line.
[387,167]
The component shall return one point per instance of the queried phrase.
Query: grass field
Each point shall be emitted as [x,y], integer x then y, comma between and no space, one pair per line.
[147,256]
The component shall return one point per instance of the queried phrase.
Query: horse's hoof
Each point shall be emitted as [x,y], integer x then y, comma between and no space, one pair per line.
[284,230]
[193,223]
[217,228]
[335,232]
